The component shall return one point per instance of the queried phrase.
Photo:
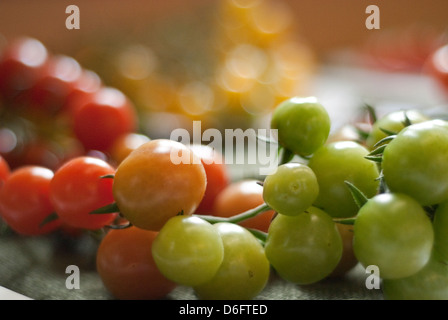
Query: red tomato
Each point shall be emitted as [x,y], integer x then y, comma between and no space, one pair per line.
[126,266]
[218,177]
[437,67]
[78,188]
[107,115]
[54,84]
[239,197]
[21,64]
[25,202]
[5,170]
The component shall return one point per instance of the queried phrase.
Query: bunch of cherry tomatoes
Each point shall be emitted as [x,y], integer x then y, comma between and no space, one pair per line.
[380,199]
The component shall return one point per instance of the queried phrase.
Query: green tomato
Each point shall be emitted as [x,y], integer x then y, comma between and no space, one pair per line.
[336,163]
[440,224]
[430,283]
[393,232]
[415,162]
[305,248]
[393,122]
[188,250]
[303,125]
[291,189]
[244,271]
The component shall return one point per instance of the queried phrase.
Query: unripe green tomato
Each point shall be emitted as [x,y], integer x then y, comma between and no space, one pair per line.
[188,250]
[440,224]
[430,283]
[415,162]
[291,189]
[305,248]
[303,125]
[393,232]
[244,271]
[393,122]
[336,163]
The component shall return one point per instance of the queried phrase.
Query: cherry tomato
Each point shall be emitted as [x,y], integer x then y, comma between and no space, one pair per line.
[107,115]
[21,64]
[437,67]
[393,232]
[126,143]
[244,271]
[188,250]
[415,163]
[218,177]
[153,185]
[25,201]
[303,125]
[50,90]
[239,197]
[127,269]
[5,170]
[78,188]
[291,189]
[336,163]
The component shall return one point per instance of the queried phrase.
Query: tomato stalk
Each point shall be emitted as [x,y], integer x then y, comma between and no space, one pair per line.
[239,217]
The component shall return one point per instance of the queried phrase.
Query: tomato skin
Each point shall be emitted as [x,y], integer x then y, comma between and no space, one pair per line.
[25,202]
[150,188]
[125,264]
[218,177]
[125,144]
[21,64]
[437,67]
[239,197]
[105,116]
[77,189]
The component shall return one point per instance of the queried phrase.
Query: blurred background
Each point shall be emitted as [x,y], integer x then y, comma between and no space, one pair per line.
[228,63]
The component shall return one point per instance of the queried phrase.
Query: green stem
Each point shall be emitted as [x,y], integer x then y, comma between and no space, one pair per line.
[239,217]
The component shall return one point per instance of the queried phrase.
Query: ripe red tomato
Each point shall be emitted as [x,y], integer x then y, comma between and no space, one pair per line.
[25,202]
[218,177]
[78,188]
[107,115]
[437,67]
[21,64]
[50,90]
[125,264]
[5,170]
[239,197]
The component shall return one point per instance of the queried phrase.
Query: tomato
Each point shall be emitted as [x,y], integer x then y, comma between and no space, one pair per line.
[126,143]
[107,115]
[78,188]
[393,232]
[303,125]
[244,271]
[335,163]
[188,250]
[218,176]
[5,170]
[25,201]
[394,122]
[304,248]
[127,269]
[21,64]
[440,224]
[50,90]
[157,181]
[437,67]
[430,283]
[348,260]
[415,163]
[240,196]
[291,189]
